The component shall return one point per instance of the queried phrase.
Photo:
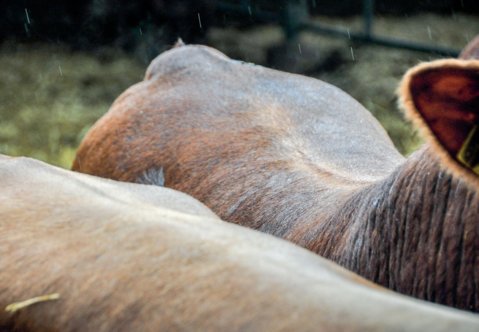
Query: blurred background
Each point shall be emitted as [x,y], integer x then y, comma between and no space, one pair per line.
[63,63]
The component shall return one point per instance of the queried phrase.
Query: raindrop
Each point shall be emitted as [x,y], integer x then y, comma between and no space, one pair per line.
[299,49]
[199,21]
[60,70]
[429,32]
[141,32]
[467,37]
[249,11]
[28,16]
[454,16]
[349,34]
[352,54]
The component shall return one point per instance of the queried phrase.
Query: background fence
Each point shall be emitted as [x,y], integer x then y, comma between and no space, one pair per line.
[293,15]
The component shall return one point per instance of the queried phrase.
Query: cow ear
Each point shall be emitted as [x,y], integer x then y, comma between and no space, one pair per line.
[442,100]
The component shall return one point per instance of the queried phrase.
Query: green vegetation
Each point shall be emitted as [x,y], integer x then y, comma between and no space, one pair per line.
[51,96]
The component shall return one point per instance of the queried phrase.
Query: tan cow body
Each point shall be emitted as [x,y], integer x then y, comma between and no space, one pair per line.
[300,159]
[121,258]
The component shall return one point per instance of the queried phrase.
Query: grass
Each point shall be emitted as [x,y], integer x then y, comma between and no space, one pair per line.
[51,96]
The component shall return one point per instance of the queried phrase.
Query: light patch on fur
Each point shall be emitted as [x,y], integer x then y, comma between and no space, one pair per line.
[406,102]
[153,176]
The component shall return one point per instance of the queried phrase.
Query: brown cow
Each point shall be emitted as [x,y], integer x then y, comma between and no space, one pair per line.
[300,159]
[94,255]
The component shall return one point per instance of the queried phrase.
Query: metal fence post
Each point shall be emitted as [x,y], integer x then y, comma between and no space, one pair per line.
[368,15]
[294,13]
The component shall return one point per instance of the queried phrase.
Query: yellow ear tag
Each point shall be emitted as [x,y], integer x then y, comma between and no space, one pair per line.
[468,155]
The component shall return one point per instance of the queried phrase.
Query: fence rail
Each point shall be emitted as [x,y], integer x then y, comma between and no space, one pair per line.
[294,17]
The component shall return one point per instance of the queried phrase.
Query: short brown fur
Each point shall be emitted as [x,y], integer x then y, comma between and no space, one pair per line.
[300,159]
[121,259]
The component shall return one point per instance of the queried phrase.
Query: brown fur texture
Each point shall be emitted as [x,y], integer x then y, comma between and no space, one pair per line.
[300,159]
[121,259]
